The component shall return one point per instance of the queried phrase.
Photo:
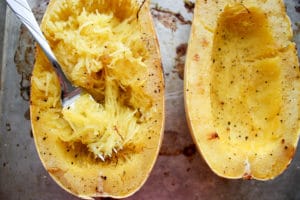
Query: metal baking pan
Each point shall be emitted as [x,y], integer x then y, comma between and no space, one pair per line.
[179,173]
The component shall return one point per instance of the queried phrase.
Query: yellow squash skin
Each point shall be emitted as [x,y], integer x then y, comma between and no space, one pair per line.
[242,84]
[70,163]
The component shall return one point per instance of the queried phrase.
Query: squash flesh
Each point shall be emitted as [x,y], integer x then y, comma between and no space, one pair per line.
[251,106]
[242,95]
[102,54]
[104,48]
[92,43]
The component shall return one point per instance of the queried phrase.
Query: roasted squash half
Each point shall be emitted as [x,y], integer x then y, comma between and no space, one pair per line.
[106,143]
[242,87]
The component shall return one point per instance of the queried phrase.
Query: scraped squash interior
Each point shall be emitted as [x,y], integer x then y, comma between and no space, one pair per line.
[117,121]
[243,97]
[246,60]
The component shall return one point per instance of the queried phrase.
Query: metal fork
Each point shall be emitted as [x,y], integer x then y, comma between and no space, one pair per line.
[23,11]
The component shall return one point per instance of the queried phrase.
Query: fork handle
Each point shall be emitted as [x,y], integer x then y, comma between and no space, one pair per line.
[23,11]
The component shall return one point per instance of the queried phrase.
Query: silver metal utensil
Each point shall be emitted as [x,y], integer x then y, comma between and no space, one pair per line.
[23,11]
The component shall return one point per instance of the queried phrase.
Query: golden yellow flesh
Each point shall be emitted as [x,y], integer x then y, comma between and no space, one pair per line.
[94,44]
[103,54]
[104,129]
[246,87]
[242,95]
[104,48]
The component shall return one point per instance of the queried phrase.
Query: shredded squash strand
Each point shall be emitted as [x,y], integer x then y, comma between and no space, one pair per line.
[105,55]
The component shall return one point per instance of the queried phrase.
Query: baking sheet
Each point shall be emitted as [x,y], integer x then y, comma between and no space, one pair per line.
[179,173]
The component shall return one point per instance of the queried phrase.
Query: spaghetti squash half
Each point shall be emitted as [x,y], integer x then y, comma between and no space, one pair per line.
[106,143]
[242,87]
